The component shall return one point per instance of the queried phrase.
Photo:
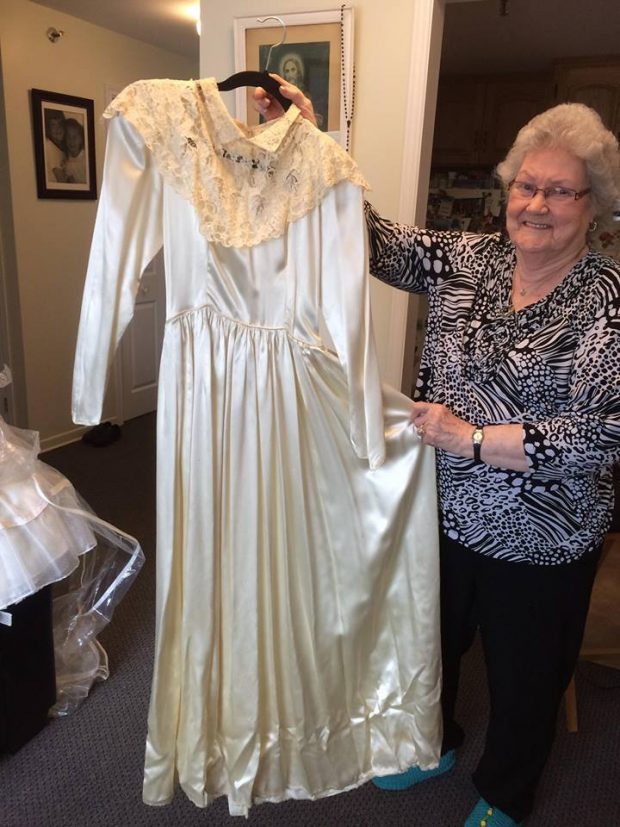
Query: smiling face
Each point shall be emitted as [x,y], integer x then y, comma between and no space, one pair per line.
[548,228]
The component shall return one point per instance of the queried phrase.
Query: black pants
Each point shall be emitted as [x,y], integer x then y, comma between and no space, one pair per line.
[531,621]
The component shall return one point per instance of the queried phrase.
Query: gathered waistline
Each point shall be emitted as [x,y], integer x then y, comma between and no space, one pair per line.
[276,329]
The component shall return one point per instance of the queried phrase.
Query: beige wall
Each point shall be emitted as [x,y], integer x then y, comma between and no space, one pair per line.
[52,238]
[386,34]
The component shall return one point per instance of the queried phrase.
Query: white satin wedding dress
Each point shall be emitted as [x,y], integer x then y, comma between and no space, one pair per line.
[297,630]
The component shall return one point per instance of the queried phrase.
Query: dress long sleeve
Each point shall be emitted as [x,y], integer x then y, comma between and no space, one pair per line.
[416,259]
[344,276]
[127,234]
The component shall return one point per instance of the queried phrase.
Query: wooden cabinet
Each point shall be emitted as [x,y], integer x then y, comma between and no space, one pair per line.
[458,121]
[595,82]
[479,116]
[511,103]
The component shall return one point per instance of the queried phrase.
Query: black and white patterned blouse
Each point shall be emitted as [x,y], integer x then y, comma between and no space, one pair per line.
[553,366]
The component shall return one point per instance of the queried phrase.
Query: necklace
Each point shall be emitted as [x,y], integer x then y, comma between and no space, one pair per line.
[540,289]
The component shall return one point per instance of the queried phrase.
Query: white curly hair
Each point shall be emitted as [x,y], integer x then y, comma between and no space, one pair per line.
[578,129]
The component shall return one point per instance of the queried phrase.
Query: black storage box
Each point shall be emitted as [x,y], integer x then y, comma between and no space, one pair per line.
[27,676]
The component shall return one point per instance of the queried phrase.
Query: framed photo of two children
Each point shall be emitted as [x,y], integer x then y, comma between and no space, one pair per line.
[64,145]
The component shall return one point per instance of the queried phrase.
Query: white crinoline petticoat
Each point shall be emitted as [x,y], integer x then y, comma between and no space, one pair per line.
[45,531]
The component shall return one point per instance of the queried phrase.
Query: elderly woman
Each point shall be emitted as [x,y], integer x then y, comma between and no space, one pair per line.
[519,392]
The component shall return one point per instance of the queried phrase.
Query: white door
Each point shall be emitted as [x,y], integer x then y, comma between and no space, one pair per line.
[141,345]
[137,365]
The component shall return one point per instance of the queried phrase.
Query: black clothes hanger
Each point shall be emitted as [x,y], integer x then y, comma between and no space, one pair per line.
[264,79]
[248,78]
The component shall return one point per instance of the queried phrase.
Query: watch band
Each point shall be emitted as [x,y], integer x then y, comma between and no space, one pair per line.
[477,438]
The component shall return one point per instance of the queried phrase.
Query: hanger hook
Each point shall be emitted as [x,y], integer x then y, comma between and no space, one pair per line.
[274,45]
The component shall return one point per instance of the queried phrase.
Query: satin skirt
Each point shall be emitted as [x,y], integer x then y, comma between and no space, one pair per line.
[297,622]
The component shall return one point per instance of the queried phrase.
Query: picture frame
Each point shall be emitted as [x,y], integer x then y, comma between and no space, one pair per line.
[317,55]
[63,128]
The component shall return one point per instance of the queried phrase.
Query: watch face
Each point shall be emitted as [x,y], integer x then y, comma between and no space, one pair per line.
[477,437]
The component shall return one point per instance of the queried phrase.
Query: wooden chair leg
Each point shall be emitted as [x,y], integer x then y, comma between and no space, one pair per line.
[570,699]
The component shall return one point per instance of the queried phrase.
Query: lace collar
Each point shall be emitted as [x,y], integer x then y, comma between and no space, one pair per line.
[267,136]
[245,183]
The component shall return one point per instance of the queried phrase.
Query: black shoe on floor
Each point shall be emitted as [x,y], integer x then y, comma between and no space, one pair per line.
[101,435]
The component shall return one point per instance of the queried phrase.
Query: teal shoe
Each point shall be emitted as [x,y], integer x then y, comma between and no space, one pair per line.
[414,775]
[485,815]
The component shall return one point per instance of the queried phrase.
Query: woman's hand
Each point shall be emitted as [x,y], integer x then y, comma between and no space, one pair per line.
[439,427]
[270,108]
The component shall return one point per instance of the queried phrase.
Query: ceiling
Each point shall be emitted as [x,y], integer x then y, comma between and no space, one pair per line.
[168,24]
[477,38]
[534,33]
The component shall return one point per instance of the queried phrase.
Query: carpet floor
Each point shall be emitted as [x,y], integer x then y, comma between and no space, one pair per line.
[85,770]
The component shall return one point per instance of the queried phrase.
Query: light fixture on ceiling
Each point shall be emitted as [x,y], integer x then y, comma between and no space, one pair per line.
[194,12]
[188,10]
[54,34]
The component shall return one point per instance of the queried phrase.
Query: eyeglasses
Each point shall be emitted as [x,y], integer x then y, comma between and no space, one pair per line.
[559,194]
